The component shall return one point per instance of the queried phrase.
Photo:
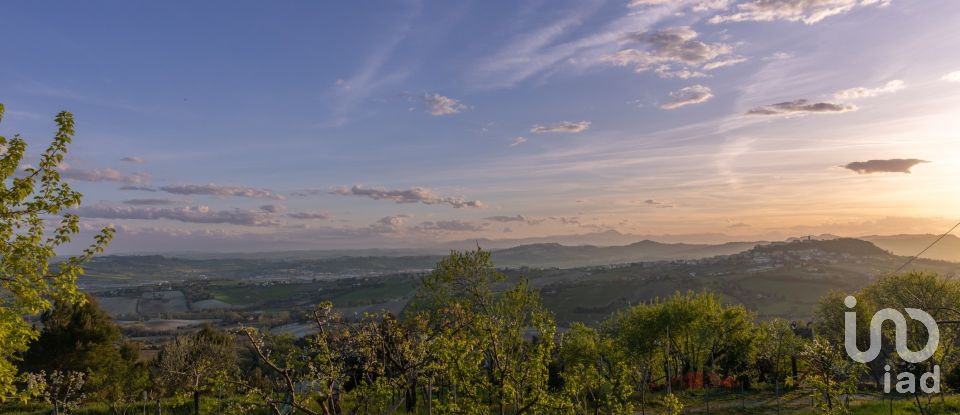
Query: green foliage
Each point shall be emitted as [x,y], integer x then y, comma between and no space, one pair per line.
[596,372]
[672,403]
[80,337]
[31,197]
[831,375]
[691,333]
[198,363]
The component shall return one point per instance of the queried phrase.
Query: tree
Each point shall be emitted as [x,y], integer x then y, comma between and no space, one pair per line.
[197,363]
[596,372]
[830,374]
[80,337]
[31,197]
[778,345]
[63,390]
[491,347]
[299,373]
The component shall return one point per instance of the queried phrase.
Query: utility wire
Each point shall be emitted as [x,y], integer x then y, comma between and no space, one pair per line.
[925,249]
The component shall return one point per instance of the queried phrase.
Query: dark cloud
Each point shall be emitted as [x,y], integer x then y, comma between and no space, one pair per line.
[801,106]
[561,127]
[190,214]
[412,195]
[134,159]
[139,188]
[153,202]
[884,166]
[656,204]
[221,191]
[273,208]
[309,215]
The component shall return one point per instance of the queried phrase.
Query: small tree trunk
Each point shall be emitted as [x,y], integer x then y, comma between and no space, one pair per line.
[196,402]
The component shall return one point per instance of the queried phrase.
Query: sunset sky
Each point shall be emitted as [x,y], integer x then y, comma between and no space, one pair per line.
[241,125]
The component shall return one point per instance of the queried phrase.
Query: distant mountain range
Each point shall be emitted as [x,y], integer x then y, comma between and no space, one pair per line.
[562,256]
[605,238]
[948,249]
[561,252]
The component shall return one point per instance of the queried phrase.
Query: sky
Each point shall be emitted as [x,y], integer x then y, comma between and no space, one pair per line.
[255,126]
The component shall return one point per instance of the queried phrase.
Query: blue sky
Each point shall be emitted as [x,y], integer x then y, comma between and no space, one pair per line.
[342,124]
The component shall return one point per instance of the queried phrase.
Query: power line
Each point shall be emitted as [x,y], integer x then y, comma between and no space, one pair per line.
[925,249]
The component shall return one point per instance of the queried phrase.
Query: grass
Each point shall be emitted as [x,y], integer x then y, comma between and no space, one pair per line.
[951,405]
[722,402]
[168,406]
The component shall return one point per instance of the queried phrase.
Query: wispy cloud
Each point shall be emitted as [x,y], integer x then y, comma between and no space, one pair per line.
[412,195]
[806,11]
[550,49]
[517,141]
[134,159]
[351,93]
[561,127]
[690,95]
[884,166]
[221,191]
[861,92]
